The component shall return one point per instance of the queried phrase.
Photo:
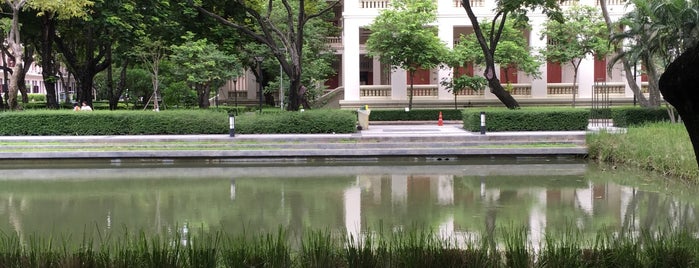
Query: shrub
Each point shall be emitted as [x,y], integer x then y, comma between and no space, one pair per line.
[527,119]
[44,122]
[628,116]
[414,115]
[36,97]
[315,121]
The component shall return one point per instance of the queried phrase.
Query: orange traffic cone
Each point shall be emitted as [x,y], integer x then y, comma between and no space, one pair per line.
[440,122]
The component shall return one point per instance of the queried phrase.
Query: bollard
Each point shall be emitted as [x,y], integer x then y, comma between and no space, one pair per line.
[231,123]
[482,123]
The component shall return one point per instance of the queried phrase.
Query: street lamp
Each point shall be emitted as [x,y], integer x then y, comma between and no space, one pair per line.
[235,92]
[259,59]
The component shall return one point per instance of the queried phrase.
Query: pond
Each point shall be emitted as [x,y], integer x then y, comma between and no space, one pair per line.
[452,196]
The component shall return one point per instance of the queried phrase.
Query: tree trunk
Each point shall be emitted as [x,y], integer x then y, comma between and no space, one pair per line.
[48,67]
[653,91]
[85,79]
[12,93]
[410,92]
[502,94]
[680,87]
[121,85]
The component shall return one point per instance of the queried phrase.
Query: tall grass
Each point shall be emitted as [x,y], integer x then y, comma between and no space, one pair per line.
[660,147]
[412,248]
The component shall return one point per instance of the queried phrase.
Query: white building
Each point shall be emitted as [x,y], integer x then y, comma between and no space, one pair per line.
[366,81]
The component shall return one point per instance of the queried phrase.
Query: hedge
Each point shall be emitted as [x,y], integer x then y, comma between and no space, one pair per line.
[628,116]
[46,122]
[313,121]
[49,122]
[415,115]
[527,119]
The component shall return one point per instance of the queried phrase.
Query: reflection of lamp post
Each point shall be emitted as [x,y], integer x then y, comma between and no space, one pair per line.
[259,77]
[235,92]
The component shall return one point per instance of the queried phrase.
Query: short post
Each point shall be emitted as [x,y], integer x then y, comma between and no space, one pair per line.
[231,124]
[482,123]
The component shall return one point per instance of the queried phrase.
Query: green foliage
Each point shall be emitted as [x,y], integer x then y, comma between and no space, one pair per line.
[36,97]
[400,38]
[583,32]
[512,49]
[415,115]
[34,123]
[527,119]
[661,147]
[178,95]
[315,121]
[629,116]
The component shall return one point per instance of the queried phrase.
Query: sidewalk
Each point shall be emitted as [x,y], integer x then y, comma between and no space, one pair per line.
[450,140]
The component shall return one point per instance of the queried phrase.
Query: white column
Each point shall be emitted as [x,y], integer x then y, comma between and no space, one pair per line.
[399,189]
[446,35]
[445,189]
[399,87]
[537,218]
[586,77]
[350,60]
[539,85]
[353,211]
[376,71]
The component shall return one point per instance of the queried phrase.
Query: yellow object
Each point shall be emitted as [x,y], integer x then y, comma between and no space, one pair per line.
[366,107]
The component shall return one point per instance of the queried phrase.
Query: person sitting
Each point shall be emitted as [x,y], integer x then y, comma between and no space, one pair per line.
[85,107]
[76,107]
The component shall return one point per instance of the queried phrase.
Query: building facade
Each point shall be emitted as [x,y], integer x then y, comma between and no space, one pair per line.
[368,82]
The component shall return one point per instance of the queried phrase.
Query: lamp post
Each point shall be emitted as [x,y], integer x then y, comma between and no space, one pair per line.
[259,77]
[235,94]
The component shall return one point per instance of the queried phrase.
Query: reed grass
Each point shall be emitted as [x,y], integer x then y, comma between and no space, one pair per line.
[315,248]
[661,147]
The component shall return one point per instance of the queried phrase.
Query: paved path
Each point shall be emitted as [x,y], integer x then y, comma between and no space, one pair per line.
[378,141]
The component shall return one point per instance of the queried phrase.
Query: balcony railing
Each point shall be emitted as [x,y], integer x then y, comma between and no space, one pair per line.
[614,2]
[611,88]
[520,89]
[559,89]
[471,92]
[375,91]
[374,4]
[474,3]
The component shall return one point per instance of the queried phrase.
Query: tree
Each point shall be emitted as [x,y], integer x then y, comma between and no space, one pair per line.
[400,38]
[49,12]
[513,50]
[151,53]
[504,8]
[458,82]
[582,33]
[16,51]
[203,66]
[285,40]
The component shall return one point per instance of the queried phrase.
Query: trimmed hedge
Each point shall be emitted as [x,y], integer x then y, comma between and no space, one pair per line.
[45,122]
[314,121]
[415,115]
[628,116]
[527,119]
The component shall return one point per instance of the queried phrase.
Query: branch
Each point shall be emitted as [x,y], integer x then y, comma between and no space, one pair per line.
[494,42]
[312,16]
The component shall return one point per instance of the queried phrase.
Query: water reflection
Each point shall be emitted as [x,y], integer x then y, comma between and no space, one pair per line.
[454,198]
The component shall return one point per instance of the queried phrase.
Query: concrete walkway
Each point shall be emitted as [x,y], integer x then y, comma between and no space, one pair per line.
[446,141]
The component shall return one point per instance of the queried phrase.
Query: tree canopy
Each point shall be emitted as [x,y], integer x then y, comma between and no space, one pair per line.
[400,38]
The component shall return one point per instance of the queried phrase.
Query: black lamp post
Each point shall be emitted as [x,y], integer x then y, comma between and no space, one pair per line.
[235,92]
[259,77]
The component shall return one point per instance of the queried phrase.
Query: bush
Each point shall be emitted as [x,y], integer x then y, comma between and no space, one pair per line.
[315,121]
[36,97]
[629,116]
[527,119]
[44,122]
[415,115]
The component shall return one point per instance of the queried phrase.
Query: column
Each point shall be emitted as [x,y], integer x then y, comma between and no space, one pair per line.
[353,211]
[399,189]
[399,85]
[350,60]
[586,77]
[539,85]
[376,71]
[446,34]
